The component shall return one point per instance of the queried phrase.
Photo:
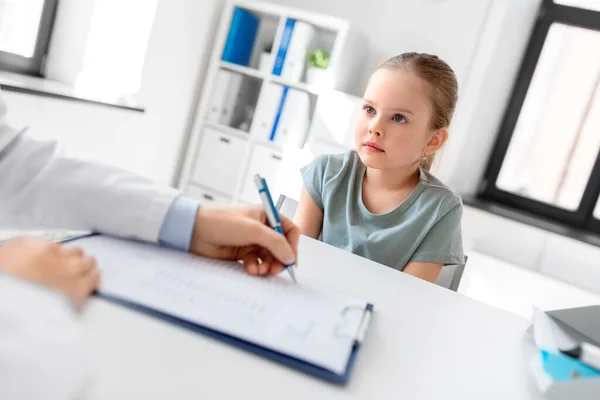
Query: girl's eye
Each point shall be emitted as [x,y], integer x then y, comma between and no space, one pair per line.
[399,118]
[369,109]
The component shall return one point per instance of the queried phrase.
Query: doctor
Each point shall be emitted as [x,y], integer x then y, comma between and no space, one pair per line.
[41,350]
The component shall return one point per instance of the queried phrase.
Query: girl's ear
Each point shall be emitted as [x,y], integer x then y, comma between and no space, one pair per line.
[437,140]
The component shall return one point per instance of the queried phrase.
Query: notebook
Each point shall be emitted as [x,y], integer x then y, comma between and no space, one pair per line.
[303,326]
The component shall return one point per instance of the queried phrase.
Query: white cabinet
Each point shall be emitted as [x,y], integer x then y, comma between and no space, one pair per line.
[266,162]
[206,198]
[219,161]
[272,112]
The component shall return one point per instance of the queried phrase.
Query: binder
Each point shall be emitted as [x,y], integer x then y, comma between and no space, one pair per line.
[240,40]
[125,264]
[292,127]
[217,101]
[266,110]
[279,112]
[294,65]
[230,99]
[286,36]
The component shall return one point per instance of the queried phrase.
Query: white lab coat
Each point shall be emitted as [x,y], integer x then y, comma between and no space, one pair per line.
[41,352]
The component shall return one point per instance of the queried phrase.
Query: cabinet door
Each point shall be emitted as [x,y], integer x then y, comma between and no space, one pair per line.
[266,162]
[206,197]
[219,162]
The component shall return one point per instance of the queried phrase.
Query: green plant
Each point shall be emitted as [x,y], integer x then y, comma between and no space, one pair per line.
[318,58]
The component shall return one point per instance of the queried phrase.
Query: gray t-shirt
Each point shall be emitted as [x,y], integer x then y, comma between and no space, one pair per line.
[426,227]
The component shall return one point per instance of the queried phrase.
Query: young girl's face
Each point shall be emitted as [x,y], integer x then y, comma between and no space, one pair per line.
[393,128]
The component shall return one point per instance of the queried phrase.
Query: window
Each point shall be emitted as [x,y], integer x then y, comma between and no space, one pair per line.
[547,156]
[115,49]
[25,28]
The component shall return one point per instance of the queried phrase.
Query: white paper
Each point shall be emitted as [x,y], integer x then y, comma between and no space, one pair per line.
[301,321]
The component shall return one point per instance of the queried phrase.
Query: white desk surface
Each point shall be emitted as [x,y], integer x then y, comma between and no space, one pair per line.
[425,342]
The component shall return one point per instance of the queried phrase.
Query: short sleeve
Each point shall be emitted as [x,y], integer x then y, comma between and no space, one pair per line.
[443,243]
[313,176]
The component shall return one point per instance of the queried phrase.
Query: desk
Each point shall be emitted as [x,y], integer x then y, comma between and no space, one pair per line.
[425,342]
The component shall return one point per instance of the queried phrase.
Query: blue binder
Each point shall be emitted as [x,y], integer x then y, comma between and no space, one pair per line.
[286,37]
[241,37]
[289,361]
[279,111]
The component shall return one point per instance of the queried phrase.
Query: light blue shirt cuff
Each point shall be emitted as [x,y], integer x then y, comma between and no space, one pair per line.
[178,226]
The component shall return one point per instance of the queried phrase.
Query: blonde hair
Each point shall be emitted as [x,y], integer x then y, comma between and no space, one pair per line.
[442,85]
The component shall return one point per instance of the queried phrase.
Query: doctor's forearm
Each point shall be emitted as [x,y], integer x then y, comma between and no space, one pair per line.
[40,188]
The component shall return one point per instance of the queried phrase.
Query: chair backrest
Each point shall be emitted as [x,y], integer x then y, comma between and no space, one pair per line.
[286,206]
[449,277]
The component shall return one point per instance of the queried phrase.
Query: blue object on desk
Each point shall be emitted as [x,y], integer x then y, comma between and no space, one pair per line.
[561,367]
[272,214]
[241,37]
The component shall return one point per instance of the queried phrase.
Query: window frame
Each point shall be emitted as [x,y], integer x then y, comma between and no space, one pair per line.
[582,218]
[34,65]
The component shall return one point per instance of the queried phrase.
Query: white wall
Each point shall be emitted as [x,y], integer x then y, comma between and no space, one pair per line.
[148,143]
[447,28]
[500,49]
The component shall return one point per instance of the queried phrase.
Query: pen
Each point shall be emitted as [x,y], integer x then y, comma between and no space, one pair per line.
[272,214]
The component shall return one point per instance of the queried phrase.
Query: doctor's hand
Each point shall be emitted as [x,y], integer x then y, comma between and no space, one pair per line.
[68,270]
[243,234]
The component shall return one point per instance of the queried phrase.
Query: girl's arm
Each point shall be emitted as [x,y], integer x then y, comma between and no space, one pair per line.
[309,216]
[424,270]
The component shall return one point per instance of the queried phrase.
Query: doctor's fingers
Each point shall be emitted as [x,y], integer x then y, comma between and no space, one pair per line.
[81,264]
[84,286]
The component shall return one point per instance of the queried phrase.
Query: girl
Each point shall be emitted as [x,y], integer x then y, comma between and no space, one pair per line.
[380,201]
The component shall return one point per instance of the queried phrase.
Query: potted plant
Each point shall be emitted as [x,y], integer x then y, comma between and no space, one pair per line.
[318,61]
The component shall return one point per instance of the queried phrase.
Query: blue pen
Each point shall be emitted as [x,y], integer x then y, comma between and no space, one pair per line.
[272,214]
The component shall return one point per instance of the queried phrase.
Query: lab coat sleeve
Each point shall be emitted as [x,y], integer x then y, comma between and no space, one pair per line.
[42,352]
[42,189]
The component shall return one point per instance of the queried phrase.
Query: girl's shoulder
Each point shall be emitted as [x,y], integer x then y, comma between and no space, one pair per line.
[437,191]
[336,161]
[332,166]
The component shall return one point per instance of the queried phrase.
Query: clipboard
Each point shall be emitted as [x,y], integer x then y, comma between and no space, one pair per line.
[285,359]
[289,361]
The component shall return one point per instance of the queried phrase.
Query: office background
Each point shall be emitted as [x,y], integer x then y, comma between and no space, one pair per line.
[148,64]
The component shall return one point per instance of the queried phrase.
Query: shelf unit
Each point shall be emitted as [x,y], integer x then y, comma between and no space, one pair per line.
[251,72]
[220,160]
